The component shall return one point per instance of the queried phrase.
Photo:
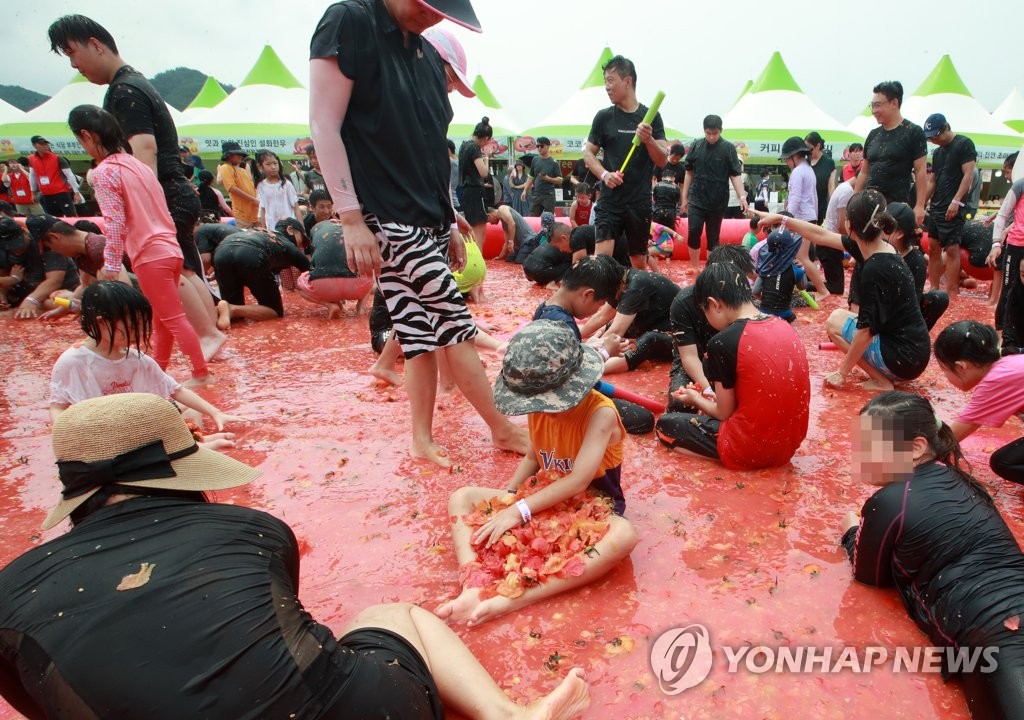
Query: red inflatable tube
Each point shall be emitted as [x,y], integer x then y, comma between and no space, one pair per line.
[617,392]
[978,273]
[732,234]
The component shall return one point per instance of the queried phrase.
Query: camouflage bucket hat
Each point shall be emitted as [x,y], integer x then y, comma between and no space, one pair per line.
[546,369]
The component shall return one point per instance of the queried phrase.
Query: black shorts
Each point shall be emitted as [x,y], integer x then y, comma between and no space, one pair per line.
[945,232]
[184,205]
[696,433]
[474,204]
[390,680]
[243,267]
[635,222]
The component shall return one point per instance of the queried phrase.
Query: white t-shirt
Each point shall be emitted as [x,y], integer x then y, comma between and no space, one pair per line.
[277,201]
[839,200]
[80,374]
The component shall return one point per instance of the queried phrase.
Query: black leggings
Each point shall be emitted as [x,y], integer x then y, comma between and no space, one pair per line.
[1010,260]
[380,322]
[652,345]
[832,265]
[933,304]
[1008,462]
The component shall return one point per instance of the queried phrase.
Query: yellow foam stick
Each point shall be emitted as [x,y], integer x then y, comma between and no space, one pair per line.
[62,302]
[811,303]
[651,112]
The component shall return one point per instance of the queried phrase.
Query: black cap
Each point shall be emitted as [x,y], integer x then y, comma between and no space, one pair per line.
[231,148]
[284,223]
[39,225]
[458,11]
[794,146]
[35,139]
[12,237]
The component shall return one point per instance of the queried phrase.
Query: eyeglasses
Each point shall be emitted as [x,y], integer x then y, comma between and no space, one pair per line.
[879,103]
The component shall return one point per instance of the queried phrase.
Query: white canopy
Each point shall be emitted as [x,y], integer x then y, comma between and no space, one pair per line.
[1011,111]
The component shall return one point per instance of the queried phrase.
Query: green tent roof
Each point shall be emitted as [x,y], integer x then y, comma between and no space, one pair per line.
[596,76]
[775,76]
[943,79]
[270,70]
[209,95]
[484,94]
[78,78]
[744,91]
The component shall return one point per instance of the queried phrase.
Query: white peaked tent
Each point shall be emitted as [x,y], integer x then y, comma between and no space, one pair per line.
[269,109]
[773,109]
[9,113]
[1011,111]
[944,92]
[209,96]
[863,124]
[467,112]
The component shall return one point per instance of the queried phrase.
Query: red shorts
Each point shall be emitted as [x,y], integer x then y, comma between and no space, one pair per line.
[335,289]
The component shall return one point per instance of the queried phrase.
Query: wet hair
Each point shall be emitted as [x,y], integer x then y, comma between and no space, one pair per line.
[755,223]
[1010,159]
[205,178]
[815,139]
[892,89]
[11,230]
[623,67]
[61,228]
[854,147]
[905,416]
[734,254]
[967,340]
[677,149]
[906,222]
[102,124]
[483,129]
[318,196]
[712,122]
[6,208]
[77,28]
[583,189]
[261,155]
[110,304]
[88,226]
[101,497]
[451,145]
[558,229]
[599,272]
[868,217]
[724,282]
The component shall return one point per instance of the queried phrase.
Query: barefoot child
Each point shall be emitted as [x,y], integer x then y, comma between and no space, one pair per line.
[114,317]
[278,201]
[574,430]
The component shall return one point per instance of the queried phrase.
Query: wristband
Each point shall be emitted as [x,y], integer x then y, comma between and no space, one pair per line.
[33,301]
[785,219]
[603,353]
[956,202]
[605,174]
[524,510]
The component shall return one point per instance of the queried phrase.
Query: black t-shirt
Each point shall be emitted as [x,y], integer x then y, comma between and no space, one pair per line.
[314,181]
[469,174]
[397,120]
[851,246]
[208,199]
[723,353]
[777,289]
[273,250]
[648,296]
[947,163]
[678,171]
[36,264]
[918,266]
[215,628]
[581,172]
[712,167]
[823,170]
[540,166]
[891,155]
[328,252]
[890,309]
[546,256]
[209,235]
[690,326]
[613,130]
[666,196]
[140,110]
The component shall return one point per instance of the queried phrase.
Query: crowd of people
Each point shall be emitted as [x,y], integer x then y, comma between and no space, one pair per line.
[365,225]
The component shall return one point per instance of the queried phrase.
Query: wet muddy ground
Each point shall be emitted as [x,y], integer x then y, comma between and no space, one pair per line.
[752,556]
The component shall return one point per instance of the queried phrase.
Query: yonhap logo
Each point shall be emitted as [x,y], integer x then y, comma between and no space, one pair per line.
[681,658]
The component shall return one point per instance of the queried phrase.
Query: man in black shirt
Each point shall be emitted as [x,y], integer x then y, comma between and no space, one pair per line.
[893,150]
[952,174]
[711,165]
[28,275]
[380,99]
[825,180]
[544,178]
[666,199]
[625,205]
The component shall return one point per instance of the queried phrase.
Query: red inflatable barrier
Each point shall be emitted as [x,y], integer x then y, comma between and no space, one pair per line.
[732,234]
[978,273]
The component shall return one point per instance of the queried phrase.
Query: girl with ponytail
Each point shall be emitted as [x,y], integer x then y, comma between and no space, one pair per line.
[933,532]
[886,337]
[969,357]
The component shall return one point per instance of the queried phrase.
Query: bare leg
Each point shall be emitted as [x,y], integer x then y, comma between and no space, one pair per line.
[384,368]
[935,265]
[445,381]
[224,315]
[694,257]
[464,684]
[470,377]
[421,386]
[256,313]
[811,268]
[486,341]
[604,247]
[834,328]
[951,255]
[615,365]
[200,313]
[468,607]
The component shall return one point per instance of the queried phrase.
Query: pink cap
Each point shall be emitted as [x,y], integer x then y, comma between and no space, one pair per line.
[458,11]
[451,51]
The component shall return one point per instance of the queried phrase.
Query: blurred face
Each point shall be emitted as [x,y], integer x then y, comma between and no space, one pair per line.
[42,148]
[674,159]
[314,162]
[883,109]
[616,87]
[963,375]
[411,16]
[856,156]
[235,160]
[543,150]
[877,459]
[712,135]
[88,142]
[583,199]
[270,166]
[87,58]
[60,244]
[323,210]
[587,304]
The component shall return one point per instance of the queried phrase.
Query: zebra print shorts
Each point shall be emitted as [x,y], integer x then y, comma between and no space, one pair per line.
[427,309]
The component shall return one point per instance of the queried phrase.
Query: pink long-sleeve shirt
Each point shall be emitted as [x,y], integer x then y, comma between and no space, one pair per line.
[134,211]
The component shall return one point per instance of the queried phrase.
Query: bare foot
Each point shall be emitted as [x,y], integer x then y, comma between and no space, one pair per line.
[223,316]
[333,310]
[198,380]
[212,344]
[513,438]
[430,451]
[218,441]
[876,385]
[470,609]
[822,297]
[567,701]
[385,374]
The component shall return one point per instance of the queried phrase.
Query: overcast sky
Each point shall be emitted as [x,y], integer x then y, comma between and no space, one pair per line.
[534,53]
